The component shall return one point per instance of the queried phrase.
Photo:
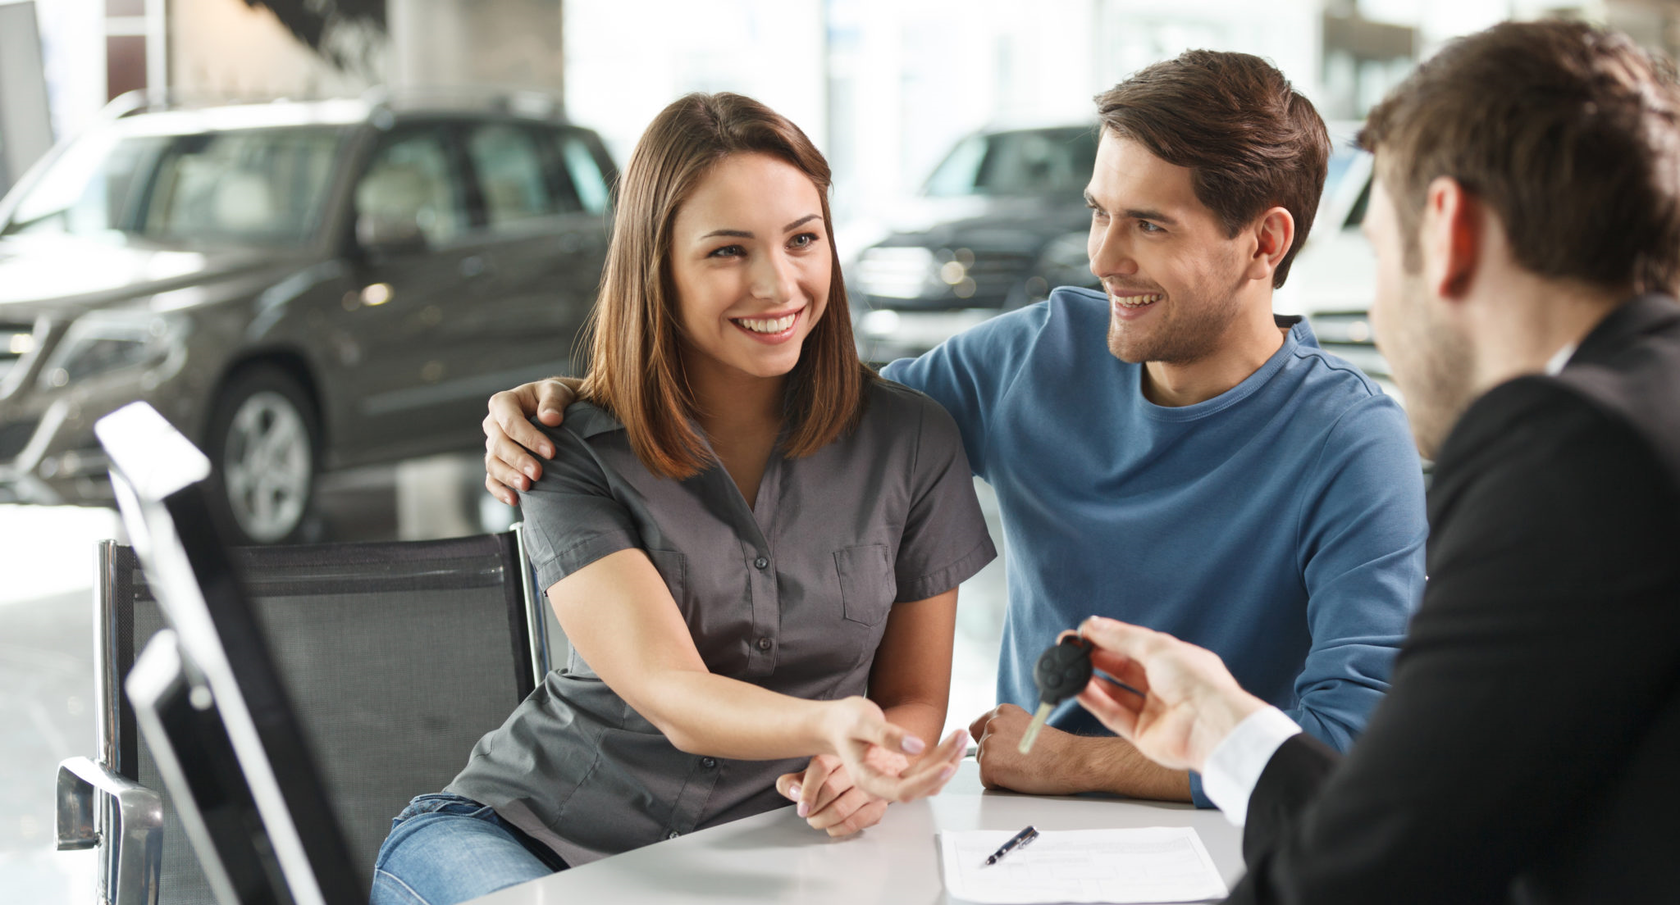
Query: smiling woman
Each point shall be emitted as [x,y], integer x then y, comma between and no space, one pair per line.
[752,288]
[742,211]
[751,542]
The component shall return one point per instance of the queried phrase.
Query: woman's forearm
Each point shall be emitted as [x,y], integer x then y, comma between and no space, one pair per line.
[707,714]
[620,618]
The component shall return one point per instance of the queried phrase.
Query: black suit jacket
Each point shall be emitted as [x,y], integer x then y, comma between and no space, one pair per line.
[1529,748]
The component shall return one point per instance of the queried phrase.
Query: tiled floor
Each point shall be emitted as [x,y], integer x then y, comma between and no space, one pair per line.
[46,658]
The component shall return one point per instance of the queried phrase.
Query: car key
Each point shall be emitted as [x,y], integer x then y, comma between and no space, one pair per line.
[1061,672]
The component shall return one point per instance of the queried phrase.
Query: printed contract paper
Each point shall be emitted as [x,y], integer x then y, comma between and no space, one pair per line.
[1151,864]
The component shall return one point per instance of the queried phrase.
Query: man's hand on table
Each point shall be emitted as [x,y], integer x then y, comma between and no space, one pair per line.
[509,437]
[1191,701]
[1065,764]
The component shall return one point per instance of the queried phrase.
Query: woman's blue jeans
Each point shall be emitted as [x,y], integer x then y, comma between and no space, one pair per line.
[445,849]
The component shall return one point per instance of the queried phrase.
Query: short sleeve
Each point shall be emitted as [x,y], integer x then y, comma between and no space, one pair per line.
[969,373]
[571,516]
[945,539]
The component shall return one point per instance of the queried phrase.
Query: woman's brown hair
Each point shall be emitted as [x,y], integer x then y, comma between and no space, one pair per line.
[636,368]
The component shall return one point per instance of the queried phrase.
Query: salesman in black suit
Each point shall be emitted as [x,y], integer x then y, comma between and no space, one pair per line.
[1526,221]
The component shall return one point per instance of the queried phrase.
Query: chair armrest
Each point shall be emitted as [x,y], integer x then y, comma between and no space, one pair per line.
[131,828]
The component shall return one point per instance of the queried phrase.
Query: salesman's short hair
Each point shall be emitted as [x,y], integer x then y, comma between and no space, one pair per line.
[1566,131]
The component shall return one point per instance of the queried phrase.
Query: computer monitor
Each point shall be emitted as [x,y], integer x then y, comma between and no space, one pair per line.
[209,699]
[190,746]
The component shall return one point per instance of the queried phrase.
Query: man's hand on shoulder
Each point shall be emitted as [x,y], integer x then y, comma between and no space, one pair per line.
[509,437]
[1065,764]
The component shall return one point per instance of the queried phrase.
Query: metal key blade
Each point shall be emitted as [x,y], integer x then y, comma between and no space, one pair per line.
[1033,727]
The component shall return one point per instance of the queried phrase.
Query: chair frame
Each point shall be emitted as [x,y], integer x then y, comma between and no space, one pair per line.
[97,803]
[536,619]
[99,806]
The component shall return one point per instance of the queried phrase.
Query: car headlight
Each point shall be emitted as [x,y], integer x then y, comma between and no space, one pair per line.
[897,271]
[879,323]
[102,342]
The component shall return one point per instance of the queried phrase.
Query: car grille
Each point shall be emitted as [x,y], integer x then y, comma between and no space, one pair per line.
[1347,334]
[995,273]
[15,436]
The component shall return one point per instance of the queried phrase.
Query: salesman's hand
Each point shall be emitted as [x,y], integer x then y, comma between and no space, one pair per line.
[1191,701]
[509,437]
[829,800]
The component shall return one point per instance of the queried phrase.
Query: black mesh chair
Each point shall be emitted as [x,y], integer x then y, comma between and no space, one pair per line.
[397,657]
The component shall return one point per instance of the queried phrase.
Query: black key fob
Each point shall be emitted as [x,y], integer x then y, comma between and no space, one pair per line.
[1064,670]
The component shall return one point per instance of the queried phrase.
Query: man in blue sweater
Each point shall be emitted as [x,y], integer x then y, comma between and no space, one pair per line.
[1165,451]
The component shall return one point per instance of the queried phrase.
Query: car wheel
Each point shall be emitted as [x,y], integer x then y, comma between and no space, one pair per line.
[263,439]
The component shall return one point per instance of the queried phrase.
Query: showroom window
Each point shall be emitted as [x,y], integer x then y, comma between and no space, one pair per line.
[261,185]
[510,174]
[410,183]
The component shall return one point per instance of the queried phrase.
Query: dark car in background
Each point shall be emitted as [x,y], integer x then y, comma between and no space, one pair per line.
[299,286]
[1000,222]
[1003,220]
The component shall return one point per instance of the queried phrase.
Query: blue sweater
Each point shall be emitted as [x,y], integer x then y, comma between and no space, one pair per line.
[1279,524]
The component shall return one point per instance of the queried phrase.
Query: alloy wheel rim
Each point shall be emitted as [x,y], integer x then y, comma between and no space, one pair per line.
[267,466]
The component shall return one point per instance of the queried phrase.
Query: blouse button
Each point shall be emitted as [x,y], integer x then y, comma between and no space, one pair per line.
[764,644]
[761,563]
[708,762]
[672,834]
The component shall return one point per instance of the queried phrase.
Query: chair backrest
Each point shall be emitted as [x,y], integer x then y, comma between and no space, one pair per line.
[397,658]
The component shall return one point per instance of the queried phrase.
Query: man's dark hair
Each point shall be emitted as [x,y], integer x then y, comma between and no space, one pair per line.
[1250,140]
[1565,131]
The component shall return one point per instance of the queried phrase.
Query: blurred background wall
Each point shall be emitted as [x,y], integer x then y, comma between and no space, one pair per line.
[883,86]
[25,126]
[228,48]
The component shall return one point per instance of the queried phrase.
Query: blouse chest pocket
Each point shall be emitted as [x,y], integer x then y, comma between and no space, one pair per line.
[867,584]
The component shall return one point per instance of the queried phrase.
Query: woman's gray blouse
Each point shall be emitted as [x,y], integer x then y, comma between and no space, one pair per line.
[791,595]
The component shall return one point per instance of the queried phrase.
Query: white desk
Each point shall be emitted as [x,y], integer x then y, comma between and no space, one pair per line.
[775,857]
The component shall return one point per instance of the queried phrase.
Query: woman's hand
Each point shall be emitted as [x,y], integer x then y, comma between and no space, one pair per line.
[829,800]
[869,747]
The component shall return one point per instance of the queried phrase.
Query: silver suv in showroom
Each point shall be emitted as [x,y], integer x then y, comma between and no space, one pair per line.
[299,286]
[999,223]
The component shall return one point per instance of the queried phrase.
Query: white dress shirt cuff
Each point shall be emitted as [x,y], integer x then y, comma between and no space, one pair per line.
[1561,357]
[1235,765]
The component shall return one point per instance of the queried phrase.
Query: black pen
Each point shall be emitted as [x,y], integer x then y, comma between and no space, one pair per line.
[1019,840]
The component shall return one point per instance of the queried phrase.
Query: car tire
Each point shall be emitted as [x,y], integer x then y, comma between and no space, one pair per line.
[264,444]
